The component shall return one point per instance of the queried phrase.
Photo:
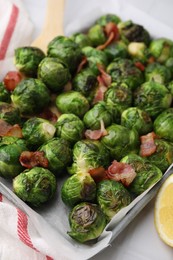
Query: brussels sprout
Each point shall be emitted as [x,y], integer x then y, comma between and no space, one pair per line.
[138,50]
[54,73]
[137,119]
[4,93]
[70,127]
[116,49]
[87,222]
[169,65]
[58,153]
[10,150]
[78,188]
[66,50]
[161,49]
[104,19]
[88,155]
[152,97]
[27,59]
[157,72]
[132,32]
[35,186]
[81,39]
[100,111]
[72,102]
[123,70]
[96,35]
[120,141]
[112,196]
[36,131]
[30,96]
[170,87]
[9,113]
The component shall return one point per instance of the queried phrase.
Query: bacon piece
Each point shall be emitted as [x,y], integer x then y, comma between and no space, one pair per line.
[104,79]
[11,80]
[121,172]
[82,64]
[98,174]
[10,130]
[112,32]
[99,95]
[139,65]
[96,134]
[32,159]
[151,60]
[48,115]
[148,146]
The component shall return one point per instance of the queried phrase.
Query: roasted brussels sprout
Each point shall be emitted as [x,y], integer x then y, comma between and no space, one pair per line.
[123,70]
[112,196]
[115,50]
[9,113]
[138,51]
[37,131]
[87,222]
[147,173]
[54,73]
[157,72]
[170,87]
[35,186]
[58,153]
[72,102]
[81,39]
[4,93]
[137,119]
[10,150]
[169,65]
[70,127]
[105,19]
[66,50]
[152,97]
[78,188]
[27,59]
[88,155]
[96,35]
[120,141]
[161,49]
[30,96]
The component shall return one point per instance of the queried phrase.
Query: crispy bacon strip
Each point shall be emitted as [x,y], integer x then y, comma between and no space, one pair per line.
[98,174]
[139,65]
[112,32]
[104,78]
[96,134]
[82,64]
[10,130]
[32,159]
[49,115]
[148,146]
[12,79]
[121,172]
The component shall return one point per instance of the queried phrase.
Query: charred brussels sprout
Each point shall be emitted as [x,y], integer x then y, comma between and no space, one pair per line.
[123,70]
[30,96]
[157,72]
[10,150]
[54,73]
[112,196]
[96,35]
[104,19]
[66,50]
[27,59]
[152,97]
[137,119]
[37,131]
[4,93]
[9,113]
[120,141]
[70,127]
[72,102]
[147,173]
[115,50]
[58,153]
[88,155]
[35,186]
[81,39]
[87,222]
[78,188]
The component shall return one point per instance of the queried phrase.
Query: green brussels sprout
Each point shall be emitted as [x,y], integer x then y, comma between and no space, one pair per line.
[115,50]
[4,93]
[170,87]
[163,156]
[10,150]
[66,50]
[94,58]
[138,51]
[81,39]
[54,73]
[37,131]
[137,119]
[27,59]
[152,97]
[87,222]
[112,196]
[88,155]
[147,173]
[35,186]
[72,102]
[120,141]
[161,49]
[123,70]
[131,32]
[157,72]
[78,188]
[96,35]
[100,111]
[70,128]
[169,64]
[9,113]
[58,153]
[105,19]
[30,96]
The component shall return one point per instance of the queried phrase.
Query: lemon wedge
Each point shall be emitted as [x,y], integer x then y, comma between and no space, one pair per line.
[163,213]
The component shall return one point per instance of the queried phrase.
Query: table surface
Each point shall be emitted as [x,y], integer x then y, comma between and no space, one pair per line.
[139,241]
